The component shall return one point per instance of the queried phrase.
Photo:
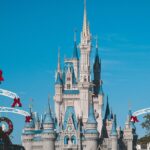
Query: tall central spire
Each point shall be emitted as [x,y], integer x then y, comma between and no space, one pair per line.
[85,22]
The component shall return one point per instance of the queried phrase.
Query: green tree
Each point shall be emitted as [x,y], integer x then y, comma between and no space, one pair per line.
[146,124]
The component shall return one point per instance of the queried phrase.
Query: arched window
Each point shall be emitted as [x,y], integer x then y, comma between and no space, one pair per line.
[73,140]
[66,139]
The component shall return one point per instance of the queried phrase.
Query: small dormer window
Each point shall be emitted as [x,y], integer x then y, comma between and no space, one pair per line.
[68,86]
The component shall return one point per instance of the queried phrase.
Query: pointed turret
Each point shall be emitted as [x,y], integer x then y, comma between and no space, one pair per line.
[91,115]
[75,50]
[85,31]
[130,133]
[48,130]
[114,134]
[30,125]
[91,132]
[58,72]
[97,73]
[85,34]
[28,132]
[48,119]
[107,112]
[58,88]
[58,79]
[85,74]
[114,127]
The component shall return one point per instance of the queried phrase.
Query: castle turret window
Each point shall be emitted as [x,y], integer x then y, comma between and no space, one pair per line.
[66,139]
[73,139]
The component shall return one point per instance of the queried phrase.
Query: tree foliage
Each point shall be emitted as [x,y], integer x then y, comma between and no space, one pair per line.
[144,140]
[146,124]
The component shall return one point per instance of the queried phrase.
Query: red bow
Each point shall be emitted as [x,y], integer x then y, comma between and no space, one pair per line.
[16,102]
[134,119]
[28,119]
[1,77]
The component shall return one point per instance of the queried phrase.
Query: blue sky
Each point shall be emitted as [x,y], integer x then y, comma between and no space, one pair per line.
[32,31]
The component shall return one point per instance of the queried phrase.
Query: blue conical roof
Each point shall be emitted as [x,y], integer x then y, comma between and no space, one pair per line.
[58,79]
[48,119]
[75,51]
[91,115]
[114,126]
[107,112]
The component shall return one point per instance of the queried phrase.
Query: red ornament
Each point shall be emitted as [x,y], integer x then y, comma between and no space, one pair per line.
[28,119]
[134,119]
[16,102]
[1,77]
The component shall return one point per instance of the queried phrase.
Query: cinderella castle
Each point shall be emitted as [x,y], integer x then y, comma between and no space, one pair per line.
[81,120]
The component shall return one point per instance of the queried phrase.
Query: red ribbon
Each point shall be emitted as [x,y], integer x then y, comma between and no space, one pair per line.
[1,77]
[134,119]
[28,119]
[16,102]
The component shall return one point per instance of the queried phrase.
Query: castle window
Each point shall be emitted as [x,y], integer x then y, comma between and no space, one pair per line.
[73,140]
[68,86]
[66,139]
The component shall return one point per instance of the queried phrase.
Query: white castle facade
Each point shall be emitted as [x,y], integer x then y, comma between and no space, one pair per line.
[79,123]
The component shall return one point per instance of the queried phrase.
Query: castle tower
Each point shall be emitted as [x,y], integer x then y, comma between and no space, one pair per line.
[48,134]
[84,83]
[91,133]
[114,135]
[97,72]
[85,49]
[58,90]
[129,132]
[107,122]
[28,133]
[97,88]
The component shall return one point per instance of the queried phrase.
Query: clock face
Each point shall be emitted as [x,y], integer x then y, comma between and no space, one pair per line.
[6,125]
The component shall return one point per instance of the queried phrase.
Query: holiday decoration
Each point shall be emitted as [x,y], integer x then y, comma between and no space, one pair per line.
[6,125]
[134,119]
[28,119]
[16,102]
[1,77]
